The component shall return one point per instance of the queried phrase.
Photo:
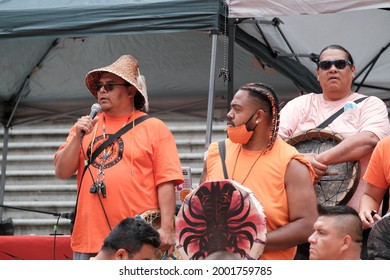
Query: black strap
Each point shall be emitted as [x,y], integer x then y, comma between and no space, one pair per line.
[222,153]
[112,138]
[385,203]
[338,113]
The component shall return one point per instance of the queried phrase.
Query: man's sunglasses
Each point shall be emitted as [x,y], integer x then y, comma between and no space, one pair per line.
[340,64]
[108,86]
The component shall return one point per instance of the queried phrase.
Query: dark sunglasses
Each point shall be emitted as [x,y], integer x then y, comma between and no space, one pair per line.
[108,86]
[340,64]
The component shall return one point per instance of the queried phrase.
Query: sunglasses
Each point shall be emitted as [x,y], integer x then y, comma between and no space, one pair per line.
[108,86]
[340,64]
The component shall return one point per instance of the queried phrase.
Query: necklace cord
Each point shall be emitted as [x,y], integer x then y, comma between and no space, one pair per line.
[250,169]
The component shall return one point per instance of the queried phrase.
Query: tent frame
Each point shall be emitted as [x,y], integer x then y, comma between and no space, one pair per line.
[272,57]
[267,53]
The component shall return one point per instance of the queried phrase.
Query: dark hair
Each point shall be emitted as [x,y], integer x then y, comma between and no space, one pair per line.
[337,47]
[139,101]
[130,234]
[267,96]
[223,255]
[348,218]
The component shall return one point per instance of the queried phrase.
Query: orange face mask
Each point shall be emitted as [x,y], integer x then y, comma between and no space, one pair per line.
[239,134]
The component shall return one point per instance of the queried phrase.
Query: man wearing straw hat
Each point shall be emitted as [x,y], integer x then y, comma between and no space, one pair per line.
[135,173]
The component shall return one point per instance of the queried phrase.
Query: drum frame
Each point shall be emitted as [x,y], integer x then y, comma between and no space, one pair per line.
[327,136]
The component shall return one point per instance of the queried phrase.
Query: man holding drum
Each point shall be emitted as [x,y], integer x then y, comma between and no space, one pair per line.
[279,176]
[361,124]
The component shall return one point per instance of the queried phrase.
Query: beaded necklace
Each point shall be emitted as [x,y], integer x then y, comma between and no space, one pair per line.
[100,185]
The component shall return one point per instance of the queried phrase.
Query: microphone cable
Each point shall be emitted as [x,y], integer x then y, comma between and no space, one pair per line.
[55,236]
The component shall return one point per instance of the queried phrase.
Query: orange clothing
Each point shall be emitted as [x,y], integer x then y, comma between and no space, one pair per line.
[137,162]
[266,180]
[377,172]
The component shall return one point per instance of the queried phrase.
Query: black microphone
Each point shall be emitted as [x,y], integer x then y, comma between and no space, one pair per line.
[95,109]
[66,215]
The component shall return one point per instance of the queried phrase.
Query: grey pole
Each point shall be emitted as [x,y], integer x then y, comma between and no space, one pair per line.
[210,106]
[3,168]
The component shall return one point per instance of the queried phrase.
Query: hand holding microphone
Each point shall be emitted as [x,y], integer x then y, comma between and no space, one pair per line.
[95,109]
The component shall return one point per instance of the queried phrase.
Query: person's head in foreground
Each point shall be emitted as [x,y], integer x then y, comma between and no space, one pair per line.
[131,239]
[338,234]
[223,255]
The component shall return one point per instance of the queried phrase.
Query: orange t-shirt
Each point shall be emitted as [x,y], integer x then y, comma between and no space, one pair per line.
[377,172]
[136,163]
[266,180]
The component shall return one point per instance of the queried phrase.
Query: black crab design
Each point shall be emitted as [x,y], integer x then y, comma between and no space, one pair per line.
[221,224]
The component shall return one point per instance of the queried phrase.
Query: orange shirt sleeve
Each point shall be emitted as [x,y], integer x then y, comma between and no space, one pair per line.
[377,172]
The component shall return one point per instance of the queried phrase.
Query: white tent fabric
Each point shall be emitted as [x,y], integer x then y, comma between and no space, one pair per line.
[287,35]
[261,8]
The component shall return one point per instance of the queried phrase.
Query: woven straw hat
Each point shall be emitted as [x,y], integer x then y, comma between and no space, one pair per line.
[127,68]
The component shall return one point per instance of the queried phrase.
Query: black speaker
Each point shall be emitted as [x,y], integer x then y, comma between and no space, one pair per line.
[7,227]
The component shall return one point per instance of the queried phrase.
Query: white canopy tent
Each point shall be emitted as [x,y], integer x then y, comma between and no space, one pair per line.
[288,35]
[267,8]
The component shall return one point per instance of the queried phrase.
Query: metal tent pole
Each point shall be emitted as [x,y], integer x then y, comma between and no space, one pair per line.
[3,168]
[210,106]
[232,40]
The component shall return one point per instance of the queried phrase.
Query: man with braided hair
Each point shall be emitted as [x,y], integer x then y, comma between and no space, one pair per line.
[279,176]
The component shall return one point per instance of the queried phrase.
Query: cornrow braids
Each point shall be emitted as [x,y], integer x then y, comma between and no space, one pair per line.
[267,94]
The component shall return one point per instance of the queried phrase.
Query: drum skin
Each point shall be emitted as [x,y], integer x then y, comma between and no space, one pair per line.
[378,243]
[339,183]
[220,216]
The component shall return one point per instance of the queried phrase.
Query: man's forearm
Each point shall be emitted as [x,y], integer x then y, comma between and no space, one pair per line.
[167,204]
[289,235]
[350,149]
[66,162]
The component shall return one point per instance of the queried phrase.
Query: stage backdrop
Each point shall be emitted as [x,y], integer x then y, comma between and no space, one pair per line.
[29,247]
